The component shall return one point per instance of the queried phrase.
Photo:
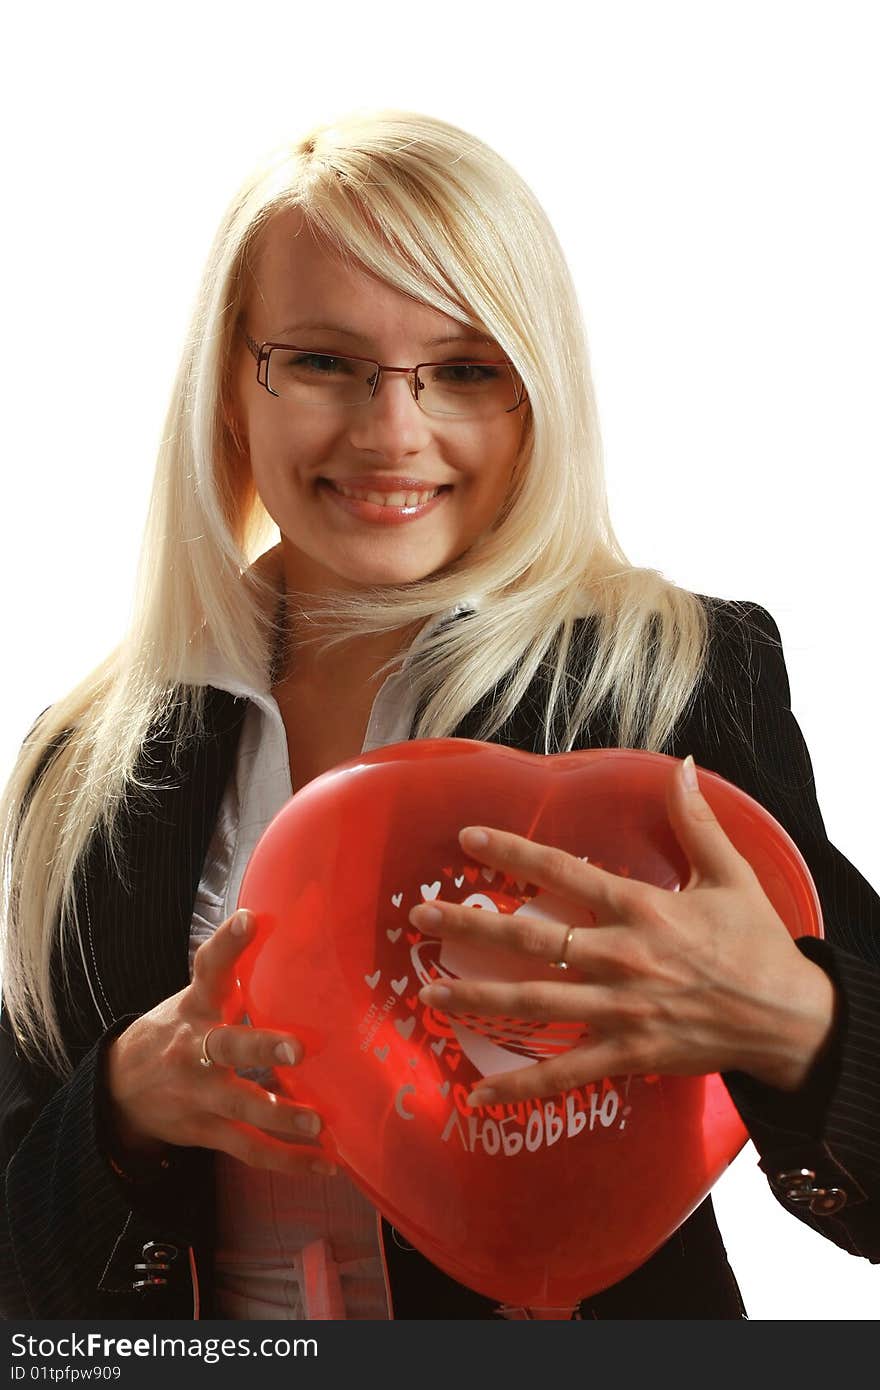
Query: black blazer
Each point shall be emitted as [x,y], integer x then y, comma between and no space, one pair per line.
[73,1232]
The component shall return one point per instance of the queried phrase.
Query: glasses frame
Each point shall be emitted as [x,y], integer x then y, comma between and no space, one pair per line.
[261,352]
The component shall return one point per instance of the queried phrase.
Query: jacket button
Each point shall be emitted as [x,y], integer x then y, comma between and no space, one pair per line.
[161,1250]
[153,1271]
[799,1185]
[827,1201]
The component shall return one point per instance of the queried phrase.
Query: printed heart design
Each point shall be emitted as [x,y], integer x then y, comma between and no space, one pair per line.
[400,985]
[397,899]
[539,1204]
[412,1001]
[394,935]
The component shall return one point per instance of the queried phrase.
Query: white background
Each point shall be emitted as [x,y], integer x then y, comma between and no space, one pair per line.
[712,173]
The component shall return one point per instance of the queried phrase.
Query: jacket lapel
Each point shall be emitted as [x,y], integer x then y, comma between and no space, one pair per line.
[138,920]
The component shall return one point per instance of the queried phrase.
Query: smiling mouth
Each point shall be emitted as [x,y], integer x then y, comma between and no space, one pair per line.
[386,499]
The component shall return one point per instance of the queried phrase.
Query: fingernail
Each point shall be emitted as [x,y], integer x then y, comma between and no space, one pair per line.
[425,915]
[473,838]
[306,1124]
[689,774]
[241,922]
[328,1170]
[286,1054]
[484,1096]
[435,994]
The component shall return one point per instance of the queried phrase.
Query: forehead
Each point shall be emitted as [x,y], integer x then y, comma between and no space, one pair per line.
[298,277]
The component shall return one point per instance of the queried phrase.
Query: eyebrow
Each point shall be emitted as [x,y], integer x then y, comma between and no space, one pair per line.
[465,336]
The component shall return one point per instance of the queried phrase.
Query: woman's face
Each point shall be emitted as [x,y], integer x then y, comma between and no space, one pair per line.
[300,455]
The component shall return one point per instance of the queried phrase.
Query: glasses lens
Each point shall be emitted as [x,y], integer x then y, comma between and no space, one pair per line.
[474,389]
[315,378]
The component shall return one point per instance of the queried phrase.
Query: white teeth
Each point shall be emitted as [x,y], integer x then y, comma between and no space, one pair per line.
[387,499]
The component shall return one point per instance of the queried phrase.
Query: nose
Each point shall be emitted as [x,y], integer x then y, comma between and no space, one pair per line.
[390,423]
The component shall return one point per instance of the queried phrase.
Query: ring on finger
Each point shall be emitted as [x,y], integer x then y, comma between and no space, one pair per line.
[205,1058]
[561,963]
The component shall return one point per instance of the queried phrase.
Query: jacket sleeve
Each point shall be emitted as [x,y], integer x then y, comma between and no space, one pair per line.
[71,1228]
[819,1147]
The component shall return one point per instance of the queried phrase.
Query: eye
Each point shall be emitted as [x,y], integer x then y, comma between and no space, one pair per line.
[321,363]
[466,373]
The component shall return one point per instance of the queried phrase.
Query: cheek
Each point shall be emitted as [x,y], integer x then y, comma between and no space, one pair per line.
[497,460]
[279,453]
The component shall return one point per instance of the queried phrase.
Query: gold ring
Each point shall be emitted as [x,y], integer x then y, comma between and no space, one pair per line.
[561,964]
[205,1059]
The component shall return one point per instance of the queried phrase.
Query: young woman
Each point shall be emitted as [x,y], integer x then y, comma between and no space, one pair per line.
[387,364]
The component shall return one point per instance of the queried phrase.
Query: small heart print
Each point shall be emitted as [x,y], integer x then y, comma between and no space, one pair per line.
[411,1001]
[413,937]
[412,1061]
[373,980]
[488,874]
[438,1046]
[444,1089]
[453,1059]
[393,935]
[382,1052]
[397,899]
[405,1029]
[429,891]
[400,985]
[459,881]
[471,873]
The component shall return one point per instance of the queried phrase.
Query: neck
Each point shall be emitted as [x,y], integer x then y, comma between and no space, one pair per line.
[352,663]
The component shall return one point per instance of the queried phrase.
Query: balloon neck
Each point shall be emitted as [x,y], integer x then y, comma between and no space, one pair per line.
[551,1314]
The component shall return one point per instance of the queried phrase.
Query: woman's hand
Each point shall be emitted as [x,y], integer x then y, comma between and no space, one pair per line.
[161,1093]
[703,980]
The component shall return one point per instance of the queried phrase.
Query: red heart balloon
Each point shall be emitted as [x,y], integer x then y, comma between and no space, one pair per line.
[538,1204]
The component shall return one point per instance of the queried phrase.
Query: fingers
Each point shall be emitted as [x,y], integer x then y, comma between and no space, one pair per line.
[244,1048]
[556,1077]
[261,1150]
[536,1000]
[215,960]
[234,1098]
[608,895]
[602,952]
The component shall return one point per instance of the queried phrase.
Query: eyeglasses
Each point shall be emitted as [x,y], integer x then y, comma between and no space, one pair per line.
[470,389]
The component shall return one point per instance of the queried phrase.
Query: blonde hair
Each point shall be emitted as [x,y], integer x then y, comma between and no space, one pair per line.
[437,214]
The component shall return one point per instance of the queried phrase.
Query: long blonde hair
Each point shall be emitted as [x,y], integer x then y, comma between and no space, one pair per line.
[434,212]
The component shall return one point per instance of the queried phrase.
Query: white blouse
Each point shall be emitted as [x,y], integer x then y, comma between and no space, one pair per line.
[303,1248]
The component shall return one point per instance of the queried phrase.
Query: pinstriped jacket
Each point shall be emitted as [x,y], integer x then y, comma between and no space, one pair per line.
[77,1239]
